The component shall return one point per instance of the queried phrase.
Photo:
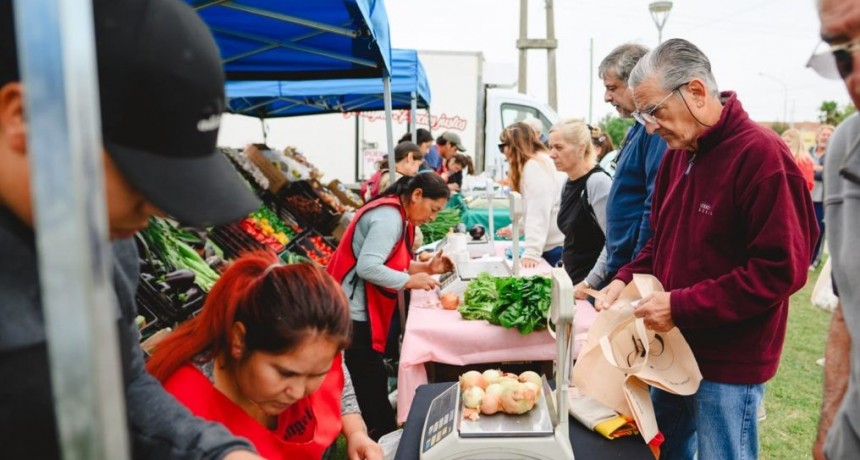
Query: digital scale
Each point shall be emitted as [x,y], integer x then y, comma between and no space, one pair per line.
[540,434]
[467,270]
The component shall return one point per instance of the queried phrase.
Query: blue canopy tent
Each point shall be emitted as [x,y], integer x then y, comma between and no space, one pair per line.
[268,99]
[299,39]
[303,40]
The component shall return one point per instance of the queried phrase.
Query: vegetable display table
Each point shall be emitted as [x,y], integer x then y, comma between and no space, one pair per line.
[435,335]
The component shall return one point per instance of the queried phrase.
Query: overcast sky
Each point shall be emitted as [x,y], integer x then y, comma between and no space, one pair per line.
[742,38]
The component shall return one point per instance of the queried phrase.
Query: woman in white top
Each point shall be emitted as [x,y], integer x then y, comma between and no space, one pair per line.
[533,174]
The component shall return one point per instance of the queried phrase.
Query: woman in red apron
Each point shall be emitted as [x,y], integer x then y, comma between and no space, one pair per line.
[373,262]
[264,358]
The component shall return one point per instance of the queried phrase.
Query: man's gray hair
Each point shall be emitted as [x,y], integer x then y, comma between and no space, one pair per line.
[674,63]
[621,60]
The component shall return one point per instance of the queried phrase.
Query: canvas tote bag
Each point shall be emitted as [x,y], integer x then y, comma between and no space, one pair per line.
[622,359]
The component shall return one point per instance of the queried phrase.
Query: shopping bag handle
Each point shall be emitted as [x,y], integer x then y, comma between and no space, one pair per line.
[606,346]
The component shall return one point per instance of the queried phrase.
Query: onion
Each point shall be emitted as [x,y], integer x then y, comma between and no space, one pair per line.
[530,376]
[491,404]
[494,389]
[492,375]
[533,387]
[517,399]
[450,301]
[472,397]
[472,379]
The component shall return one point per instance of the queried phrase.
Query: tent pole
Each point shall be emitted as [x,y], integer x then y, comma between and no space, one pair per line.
[71,226]
[413,123]
[389,129]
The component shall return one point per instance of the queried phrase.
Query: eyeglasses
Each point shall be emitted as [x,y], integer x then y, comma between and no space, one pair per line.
[837,62]
[647,116]
[502,146]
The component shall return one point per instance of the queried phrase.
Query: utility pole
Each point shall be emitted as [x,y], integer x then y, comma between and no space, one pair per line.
[549,44]
[591,80]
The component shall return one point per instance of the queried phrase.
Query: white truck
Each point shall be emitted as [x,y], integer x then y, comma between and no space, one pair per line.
[469,97]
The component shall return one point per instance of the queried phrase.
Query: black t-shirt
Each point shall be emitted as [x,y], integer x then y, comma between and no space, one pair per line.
[456,178]
[583,237]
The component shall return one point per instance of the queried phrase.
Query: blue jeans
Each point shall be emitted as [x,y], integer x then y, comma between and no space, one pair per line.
[719,422]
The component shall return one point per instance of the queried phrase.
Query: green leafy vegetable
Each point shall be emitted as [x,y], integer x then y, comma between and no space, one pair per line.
[438,228]
[511,302]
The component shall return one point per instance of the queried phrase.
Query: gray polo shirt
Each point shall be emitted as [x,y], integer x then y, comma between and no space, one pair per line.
[842,208]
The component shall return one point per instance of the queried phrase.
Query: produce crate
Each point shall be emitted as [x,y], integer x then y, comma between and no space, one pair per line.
[313,246]
[234,240]
[344,194]
[277,179]
[302,201]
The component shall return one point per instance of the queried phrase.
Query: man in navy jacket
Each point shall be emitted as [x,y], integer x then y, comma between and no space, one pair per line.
[627,212]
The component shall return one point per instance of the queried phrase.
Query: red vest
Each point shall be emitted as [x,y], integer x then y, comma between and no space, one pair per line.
[381,302]
[305,429]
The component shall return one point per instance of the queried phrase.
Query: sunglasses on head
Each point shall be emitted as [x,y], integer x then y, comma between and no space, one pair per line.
[837,62]
[502,146]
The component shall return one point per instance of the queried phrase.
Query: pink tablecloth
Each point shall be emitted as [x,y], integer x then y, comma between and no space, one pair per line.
[438,335]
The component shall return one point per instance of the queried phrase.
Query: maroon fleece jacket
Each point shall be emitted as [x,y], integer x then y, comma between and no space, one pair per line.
[734,229]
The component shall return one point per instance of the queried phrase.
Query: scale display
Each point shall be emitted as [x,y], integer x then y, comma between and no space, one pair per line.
[441,418]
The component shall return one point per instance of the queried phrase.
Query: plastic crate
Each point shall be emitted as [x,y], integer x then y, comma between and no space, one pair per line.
[313,246]
[302,201]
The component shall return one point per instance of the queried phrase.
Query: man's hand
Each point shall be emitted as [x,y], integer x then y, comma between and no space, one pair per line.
[359,446]
[656,309]
[504,232]
[421,281]
[440,264]
[529,263]
[610,294]
[242,455]
[579,290]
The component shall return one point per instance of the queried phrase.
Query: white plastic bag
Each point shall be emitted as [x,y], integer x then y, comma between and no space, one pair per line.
[389,444]
[822,293]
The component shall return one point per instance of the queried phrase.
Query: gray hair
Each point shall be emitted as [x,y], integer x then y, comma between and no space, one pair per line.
[674,63]
[621,60]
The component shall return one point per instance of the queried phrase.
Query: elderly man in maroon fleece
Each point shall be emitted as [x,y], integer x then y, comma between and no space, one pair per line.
[734,229]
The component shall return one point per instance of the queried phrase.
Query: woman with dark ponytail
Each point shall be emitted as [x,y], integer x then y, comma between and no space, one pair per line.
[373,262]
[264,358]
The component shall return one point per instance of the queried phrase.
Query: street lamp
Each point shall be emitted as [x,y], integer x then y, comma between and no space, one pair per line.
[659,13]
[784,97]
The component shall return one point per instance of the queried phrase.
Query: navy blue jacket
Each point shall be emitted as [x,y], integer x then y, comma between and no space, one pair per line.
[628,210]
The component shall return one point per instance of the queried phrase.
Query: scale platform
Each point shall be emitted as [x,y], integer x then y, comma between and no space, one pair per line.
[457,280]
[534,435]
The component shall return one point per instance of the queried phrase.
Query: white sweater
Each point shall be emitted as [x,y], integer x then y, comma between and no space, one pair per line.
[541,185]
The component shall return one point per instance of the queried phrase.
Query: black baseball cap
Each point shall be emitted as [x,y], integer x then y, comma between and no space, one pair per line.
[161,89]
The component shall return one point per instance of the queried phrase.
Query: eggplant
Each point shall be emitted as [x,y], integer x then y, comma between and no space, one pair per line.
[163,287]
[193,293]
[460,228]
[215,262]
[477,231]
[148,277]
[180,280]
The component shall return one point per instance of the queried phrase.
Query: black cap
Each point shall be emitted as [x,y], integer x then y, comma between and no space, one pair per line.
[161,87]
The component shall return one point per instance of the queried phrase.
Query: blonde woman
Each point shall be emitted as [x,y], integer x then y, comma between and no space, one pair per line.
[532,174]
[794,141]
[582,215]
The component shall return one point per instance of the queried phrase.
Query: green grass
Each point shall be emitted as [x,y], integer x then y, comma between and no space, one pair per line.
[793,396]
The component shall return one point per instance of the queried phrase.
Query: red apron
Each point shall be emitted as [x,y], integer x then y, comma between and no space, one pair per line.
[305,429]
[381,301]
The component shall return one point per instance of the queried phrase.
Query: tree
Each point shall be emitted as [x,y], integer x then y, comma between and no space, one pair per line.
[831,114]
[616,127]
